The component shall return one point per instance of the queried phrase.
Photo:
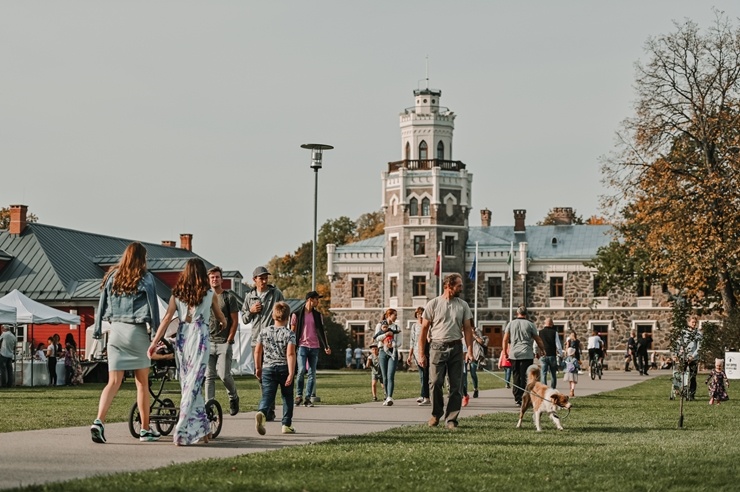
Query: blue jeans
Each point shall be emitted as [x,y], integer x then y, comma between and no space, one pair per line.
[507,376]
[388,370]
[312,355]
[549,364]
[471,368]
[272,377]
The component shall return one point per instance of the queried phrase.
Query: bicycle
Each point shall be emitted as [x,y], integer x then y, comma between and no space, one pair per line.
[596,367]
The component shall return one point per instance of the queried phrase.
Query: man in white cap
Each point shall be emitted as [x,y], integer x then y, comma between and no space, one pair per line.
[257,308]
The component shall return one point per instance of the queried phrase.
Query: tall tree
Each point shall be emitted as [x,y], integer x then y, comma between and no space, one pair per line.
[370,225]
[676,170]
[560,216]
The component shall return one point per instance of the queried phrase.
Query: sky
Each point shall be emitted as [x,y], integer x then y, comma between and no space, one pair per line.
[148,119]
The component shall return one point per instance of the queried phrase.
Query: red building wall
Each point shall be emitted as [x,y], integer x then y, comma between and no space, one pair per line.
[40,333]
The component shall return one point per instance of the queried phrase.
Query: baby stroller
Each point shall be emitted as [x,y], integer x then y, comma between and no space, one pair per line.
[163,413]
[680,383]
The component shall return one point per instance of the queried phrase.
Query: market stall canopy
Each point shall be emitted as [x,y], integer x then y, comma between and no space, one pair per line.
[7,315]
[29,311]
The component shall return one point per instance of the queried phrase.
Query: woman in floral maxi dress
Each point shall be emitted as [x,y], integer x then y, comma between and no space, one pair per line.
[192,301]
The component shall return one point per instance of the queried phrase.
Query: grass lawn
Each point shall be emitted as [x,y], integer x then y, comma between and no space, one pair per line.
[622,440]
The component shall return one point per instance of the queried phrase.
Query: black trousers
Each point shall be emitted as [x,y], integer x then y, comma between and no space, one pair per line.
[519,370]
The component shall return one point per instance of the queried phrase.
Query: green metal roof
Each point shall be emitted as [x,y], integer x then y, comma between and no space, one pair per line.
[51,263]
[572,242]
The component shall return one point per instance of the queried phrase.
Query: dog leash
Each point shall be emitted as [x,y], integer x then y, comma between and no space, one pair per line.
[519,387]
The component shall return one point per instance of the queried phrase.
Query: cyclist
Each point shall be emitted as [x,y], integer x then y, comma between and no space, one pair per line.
[595,348]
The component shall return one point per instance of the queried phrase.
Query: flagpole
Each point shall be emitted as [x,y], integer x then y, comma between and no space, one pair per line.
[439,280]
[511,282]
[475,285]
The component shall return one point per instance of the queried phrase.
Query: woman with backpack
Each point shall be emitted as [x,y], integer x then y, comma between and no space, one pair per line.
[575,343]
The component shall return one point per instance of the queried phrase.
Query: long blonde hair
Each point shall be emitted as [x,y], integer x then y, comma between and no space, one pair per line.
[129,270]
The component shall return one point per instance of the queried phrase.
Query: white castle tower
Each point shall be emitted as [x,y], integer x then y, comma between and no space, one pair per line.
[426,198]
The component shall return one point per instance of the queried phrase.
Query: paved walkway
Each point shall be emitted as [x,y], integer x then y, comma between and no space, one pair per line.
[54,455]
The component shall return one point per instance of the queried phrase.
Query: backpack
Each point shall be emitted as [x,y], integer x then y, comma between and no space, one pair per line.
[571,366]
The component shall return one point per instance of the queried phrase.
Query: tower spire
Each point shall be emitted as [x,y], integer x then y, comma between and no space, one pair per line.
[427,72]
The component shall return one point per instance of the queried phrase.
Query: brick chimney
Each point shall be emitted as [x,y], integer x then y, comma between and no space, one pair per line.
[562,215]
[519,217]
[485,217]
[18,214]
[169,244]
[186,242]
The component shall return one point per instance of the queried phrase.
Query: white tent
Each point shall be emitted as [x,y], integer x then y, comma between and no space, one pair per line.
[8,315]
[243,360]
[30,312]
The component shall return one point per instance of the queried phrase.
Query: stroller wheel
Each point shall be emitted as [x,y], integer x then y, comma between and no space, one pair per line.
[134,421]
[167,417]
[215,417]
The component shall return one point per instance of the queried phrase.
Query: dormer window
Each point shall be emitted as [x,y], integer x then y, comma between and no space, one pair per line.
[554,241]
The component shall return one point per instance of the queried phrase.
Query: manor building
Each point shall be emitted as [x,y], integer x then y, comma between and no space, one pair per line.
[427,199]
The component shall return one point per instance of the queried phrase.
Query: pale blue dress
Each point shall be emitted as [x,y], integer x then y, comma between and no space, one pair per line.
[192,350]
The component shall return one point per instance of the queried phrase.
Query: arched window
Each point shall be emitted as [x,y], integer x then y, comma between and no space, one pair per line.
[408,151]
[440,150]
[450,207]
[423,150]
[425,207]
[413,207]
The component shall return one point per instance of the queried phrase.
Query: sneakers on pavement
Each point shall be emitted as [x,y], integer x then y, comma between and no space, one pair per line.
[466,400]
[475,393]
[425,402]
[308,402]
[388,402]
[259,423]
[97,430]
[146,435]
[234,406]
[154,431]
[271,415]
[288,429]
[298,400]
[420,399]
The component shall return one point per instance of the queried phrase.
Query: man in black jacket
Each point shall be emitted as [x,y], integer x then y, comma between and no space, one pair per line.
[308,327]
[553,348]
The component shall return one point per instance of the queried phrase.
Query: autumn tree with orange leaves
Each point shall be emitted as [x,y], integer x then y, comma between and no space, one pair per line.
[676,171]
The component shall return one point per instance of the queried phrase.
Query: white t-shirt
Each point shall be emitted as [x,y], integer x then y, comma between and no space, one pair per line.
[595,342]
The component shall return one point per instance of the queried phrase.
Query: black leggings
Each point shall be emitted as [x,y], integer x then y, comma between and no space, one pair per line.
[51,363]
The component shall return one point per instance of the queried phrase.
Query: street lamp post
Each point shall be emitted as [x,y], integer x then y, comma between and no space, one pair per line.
[316,151]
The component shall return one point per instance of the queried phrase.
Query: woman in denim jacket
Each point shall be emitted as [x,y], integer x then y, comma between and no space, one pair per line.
[128,302]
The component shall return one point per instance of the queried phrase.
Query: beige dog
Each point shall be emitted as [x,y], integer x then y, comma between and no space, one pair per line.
[542,399]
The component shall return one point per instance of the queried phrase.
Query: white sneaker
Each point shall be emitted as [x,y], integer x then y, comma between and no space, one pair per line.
[419,400]
[425,402]
[389,402]
[385,402]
